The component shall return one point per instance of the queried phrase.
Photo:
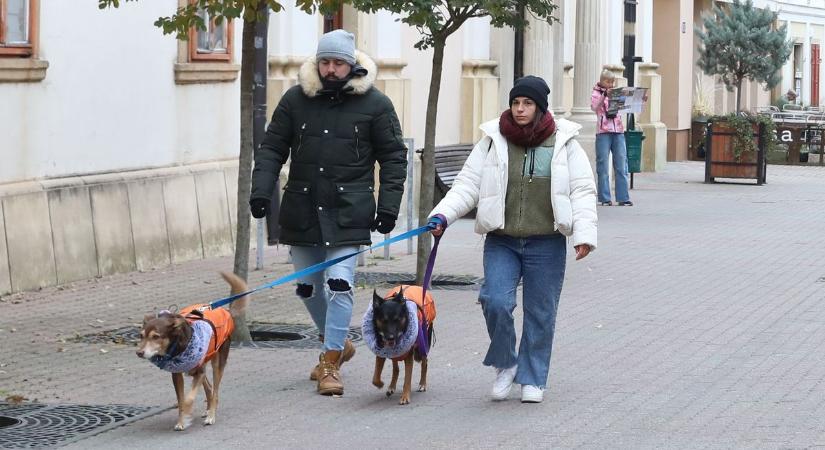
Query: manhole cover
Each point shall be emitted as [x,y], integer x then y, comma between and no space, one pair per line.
[8,421]
[264,335]
[438,282]
[39,425]
[282,335]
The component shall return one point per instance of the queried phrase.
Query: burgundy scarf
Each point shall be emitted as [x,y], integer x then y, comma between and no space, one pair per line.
[526,136]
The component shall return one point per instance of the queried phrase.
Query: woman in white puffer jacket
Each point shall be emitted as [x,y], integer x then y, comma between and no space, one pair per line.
[534,189]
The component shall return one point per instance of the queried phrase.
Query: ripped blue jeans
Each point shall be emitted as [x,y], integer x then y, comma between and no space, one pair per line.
[329,301]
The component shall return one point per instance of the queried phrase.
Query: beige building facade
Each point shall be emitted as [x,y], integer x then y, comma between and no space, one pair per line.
[133,165]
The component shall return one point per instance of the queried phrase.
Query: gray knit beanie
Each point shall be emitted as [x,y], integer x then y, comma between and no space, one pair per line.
[337,44]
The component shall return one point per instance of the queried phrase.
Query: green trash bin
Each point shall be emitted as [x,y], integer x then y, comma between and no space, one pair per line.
[633,141]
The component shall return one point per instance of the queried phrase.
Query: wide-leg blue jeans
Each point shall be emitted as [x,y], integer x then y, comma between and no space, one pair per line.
[539,262]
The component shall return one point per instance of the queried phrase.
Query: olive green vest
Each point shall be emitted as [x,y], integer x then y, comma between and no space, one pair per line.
[527,207]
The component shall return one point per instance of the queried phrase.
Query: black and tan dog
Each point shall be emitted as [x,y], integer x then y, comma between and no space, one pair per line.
[185,342]
[401,328]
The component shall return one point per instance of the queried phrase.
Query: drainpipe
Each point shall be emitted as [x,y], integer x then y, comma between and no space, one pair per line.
[518,50]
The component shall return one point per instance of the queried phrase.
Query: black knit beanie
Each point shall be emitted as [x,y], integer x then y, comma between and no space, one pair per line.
[531,87]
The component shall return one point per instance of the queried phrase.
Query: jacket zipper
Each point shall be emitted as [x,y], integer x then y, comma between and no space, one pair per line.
[301,138]
[357,153]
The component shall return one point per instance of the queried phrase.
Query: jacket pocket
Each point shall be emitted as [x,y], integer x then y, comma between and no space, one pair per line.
[297,211]
[356,205]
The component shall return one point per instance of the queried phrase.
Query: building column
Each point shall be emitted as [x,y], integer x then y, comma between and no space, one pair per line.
[567,89]
[544,56]
[392,83]
[589,25]
[479,97]
[540,54]
[654,146]
[673,49]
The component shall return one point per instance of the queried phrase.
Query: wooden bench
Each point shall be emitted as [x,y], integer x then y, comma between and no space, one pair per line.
[448,161]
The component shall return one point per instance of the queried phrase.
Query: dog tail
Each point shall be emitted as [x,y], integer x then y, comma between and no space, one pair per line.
[237,285]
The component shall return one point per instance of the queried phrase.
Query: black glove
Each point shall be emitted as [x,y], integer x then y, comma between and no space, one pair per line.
[259,207]
[383,222]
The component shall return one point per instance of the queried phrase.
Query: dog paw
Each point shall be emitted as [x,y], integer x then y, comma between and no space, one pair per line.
[405,400]
[183,423]
[378,383]
[422,388]
[209,420]
[390,391]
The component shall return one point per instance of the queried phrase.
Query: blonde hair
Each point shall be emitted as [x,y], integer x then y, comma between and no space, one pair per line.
[607,75]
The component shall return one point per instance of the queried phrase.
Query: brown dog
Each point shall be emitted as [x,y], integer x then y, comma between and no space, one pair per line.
[185,342]
[401,328]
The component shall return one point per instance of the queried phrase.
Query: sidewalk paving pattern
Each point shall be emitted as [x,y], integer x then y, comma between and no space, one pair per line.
[697,323]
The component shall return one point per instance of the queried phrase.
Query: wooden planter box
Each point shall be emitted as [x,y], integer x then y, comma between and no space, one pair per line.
[720,161]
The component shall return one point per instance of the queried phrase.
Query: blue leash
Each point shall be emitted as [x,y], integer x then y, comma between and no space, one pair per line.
[323,265]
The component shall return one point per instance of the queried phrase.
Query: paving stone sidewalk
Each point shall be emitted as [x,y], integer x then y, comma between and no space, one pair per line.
[697,323]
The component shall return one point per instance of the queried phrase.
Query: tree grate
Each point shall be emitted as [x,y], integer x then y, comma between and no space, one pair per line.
[35,425]
[438,282]
[264,335]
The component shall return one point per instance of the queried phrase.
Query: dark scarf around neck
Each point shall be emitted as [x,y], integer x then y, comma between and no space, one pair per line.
[526,136]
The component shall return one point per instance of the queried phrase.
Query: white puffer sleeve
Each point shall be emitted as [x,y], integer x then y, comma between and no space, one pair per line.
[582,196]
[463,195]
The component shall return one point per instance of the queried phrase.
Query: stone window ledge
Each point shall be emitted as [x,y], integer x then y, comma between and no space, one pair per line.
[191,73]
[16,70]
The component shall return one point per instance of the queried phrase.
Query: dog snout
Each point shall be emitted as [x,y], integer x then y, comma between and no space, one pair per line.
[140,353]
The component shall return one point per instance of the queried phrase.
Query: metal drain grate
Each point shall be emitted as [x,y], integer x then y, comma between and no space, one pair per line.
[271,335]
[291,336]
[39,425]
[439,282]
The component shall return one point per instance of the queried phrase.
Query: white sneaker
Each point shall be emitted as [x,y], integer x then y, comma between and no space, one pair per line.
[531,394]
[503,383]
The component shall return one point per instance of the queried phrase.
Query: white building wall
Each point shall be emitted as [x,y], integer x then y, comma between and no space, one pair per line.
[806,25]
[293,32]
[388,28]
[476,36]
[109,101]
[418,71]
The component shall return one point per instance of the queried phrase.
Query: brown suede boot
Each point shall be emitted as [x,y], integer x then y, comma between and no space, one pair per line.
[329,376]
[346,355]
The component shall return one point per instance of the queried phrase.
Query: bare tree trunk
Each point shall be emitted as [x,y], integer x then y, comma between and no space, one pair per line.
[426,199]
[241,267]
[738,96]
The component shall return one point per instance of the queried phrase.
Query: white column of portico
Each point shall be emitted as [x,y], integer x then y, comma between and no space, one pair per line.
[538,50]
[557,88]
[544,56]
[590,24]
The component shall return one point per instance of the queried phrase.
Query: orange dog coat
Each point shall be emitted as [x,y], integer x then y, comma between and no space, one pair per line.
[219,319]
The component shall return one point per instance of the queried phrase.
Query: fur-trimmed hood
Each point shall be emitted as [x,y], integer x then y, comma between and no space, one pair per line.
[310,80]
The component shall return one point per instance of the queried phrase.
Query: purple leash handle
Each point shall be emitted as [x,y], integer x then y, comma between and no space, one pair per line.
[428,271]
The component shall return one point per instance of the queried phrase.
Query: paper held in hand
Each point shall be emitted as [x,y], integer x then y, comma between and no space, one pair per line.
[626,100]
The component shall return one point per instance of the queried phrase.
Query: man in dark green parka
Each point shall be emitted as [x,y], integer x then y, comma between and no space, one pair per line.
[333,127]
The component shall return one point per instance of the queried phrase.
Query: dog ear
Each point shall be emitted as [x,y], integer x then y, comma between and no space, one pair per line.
[376,300]
[147,318]
[399,297]
[179,321]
